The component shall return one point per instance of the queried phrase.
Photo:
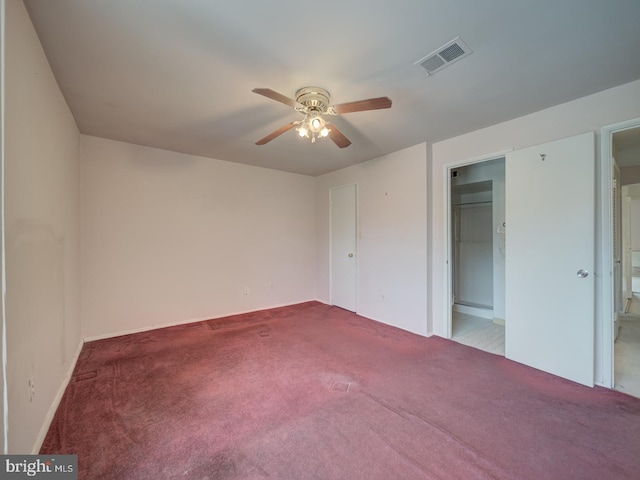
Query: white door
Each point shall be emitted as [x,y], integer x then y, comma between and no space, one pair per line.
[343,247]
[550,255]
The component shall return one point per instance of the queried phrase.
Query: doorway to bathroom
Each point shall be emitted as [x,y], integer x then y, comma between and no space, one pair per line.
[477,235]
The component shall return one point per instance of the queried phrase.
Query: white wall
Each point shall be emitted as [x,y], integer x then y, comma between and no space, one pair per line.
[392,237]
[169,238]
[579,116]
[42,227]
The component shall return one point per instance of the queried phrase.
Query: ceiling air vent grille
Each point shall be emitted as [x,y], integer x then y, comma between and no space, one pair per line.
[444,56]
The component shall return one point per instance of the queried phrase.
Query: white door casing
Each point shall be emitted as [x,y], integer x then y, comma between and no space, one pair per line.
[550,246]
[343,247]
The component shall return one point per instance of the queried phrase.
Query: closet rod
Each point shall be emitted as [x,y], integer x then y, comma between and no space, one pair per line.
[472,203]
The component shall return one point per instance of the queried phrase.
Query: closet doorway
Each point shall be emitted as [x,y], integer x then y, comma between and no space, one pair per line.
[548,288]
[477,235]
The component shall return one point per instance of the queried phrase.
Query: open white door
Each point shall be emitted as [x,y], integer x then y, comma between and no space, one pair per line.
[550,255]
[343,247]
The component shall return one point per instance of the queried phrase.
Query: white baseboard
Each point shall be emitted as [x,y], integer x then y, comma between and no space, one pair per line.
[150,328]
[56,402]
[475,311]
[186,322]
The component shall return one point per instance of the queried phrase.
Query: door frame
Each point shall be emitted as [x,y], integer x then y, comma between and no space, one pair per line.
[607,357]
[448,270]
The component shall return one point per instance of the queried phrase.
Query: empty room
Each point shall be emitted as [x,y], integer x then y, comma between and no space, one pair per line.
[364,240]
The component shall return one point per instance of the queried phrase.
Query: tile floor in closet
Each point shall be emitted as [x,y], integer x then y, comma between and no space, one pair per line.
[477,332]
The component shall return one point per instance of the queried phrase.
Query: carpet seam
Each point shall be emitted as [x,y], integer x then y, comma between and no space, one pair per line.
[403,413]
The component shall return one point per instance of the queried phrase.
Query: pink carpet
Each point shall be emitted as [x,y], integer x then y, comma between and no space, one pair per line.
[315,392]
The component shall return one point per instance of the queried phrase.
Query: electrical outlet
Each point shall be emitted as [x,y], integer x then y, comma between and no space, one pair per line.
[245,291]
[32,390]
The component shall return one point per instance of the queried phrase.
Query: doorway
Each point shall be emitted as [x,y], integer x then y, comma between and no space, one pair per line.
[625,156]
[477,254]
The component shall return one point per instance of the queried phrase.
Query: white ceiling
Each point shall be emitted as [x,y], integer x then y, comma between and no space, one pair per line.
[178,74]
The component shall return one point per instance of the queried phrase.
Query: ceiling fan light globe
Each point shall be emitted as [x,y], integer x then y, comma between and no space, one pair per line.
[315,124]
[302,132]
[324,132]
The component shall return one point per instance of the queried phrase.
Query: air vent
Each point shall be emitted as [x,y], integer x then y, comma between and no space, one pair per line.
[444,56]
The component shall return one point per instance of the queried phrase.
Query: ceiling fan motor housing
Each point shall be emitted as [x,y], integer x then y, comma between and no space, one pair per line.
[313,99]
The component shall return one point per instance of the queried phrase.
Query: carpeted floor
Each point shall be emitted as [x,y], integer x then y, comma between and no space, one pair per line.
[315,392]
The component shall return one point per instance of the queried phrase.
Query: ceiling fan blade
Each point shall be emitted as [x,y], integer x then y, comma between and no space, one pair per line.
[363,105]
[338,138]
[277,133]
[278,97]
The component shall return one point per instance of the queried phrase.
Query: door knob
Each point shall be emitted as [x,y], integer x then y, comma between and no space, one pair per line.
[350,255]
[582,273]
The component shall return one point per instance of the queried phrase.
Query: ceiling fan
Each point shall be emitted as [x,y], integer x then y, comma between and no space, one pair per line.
[314,102]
